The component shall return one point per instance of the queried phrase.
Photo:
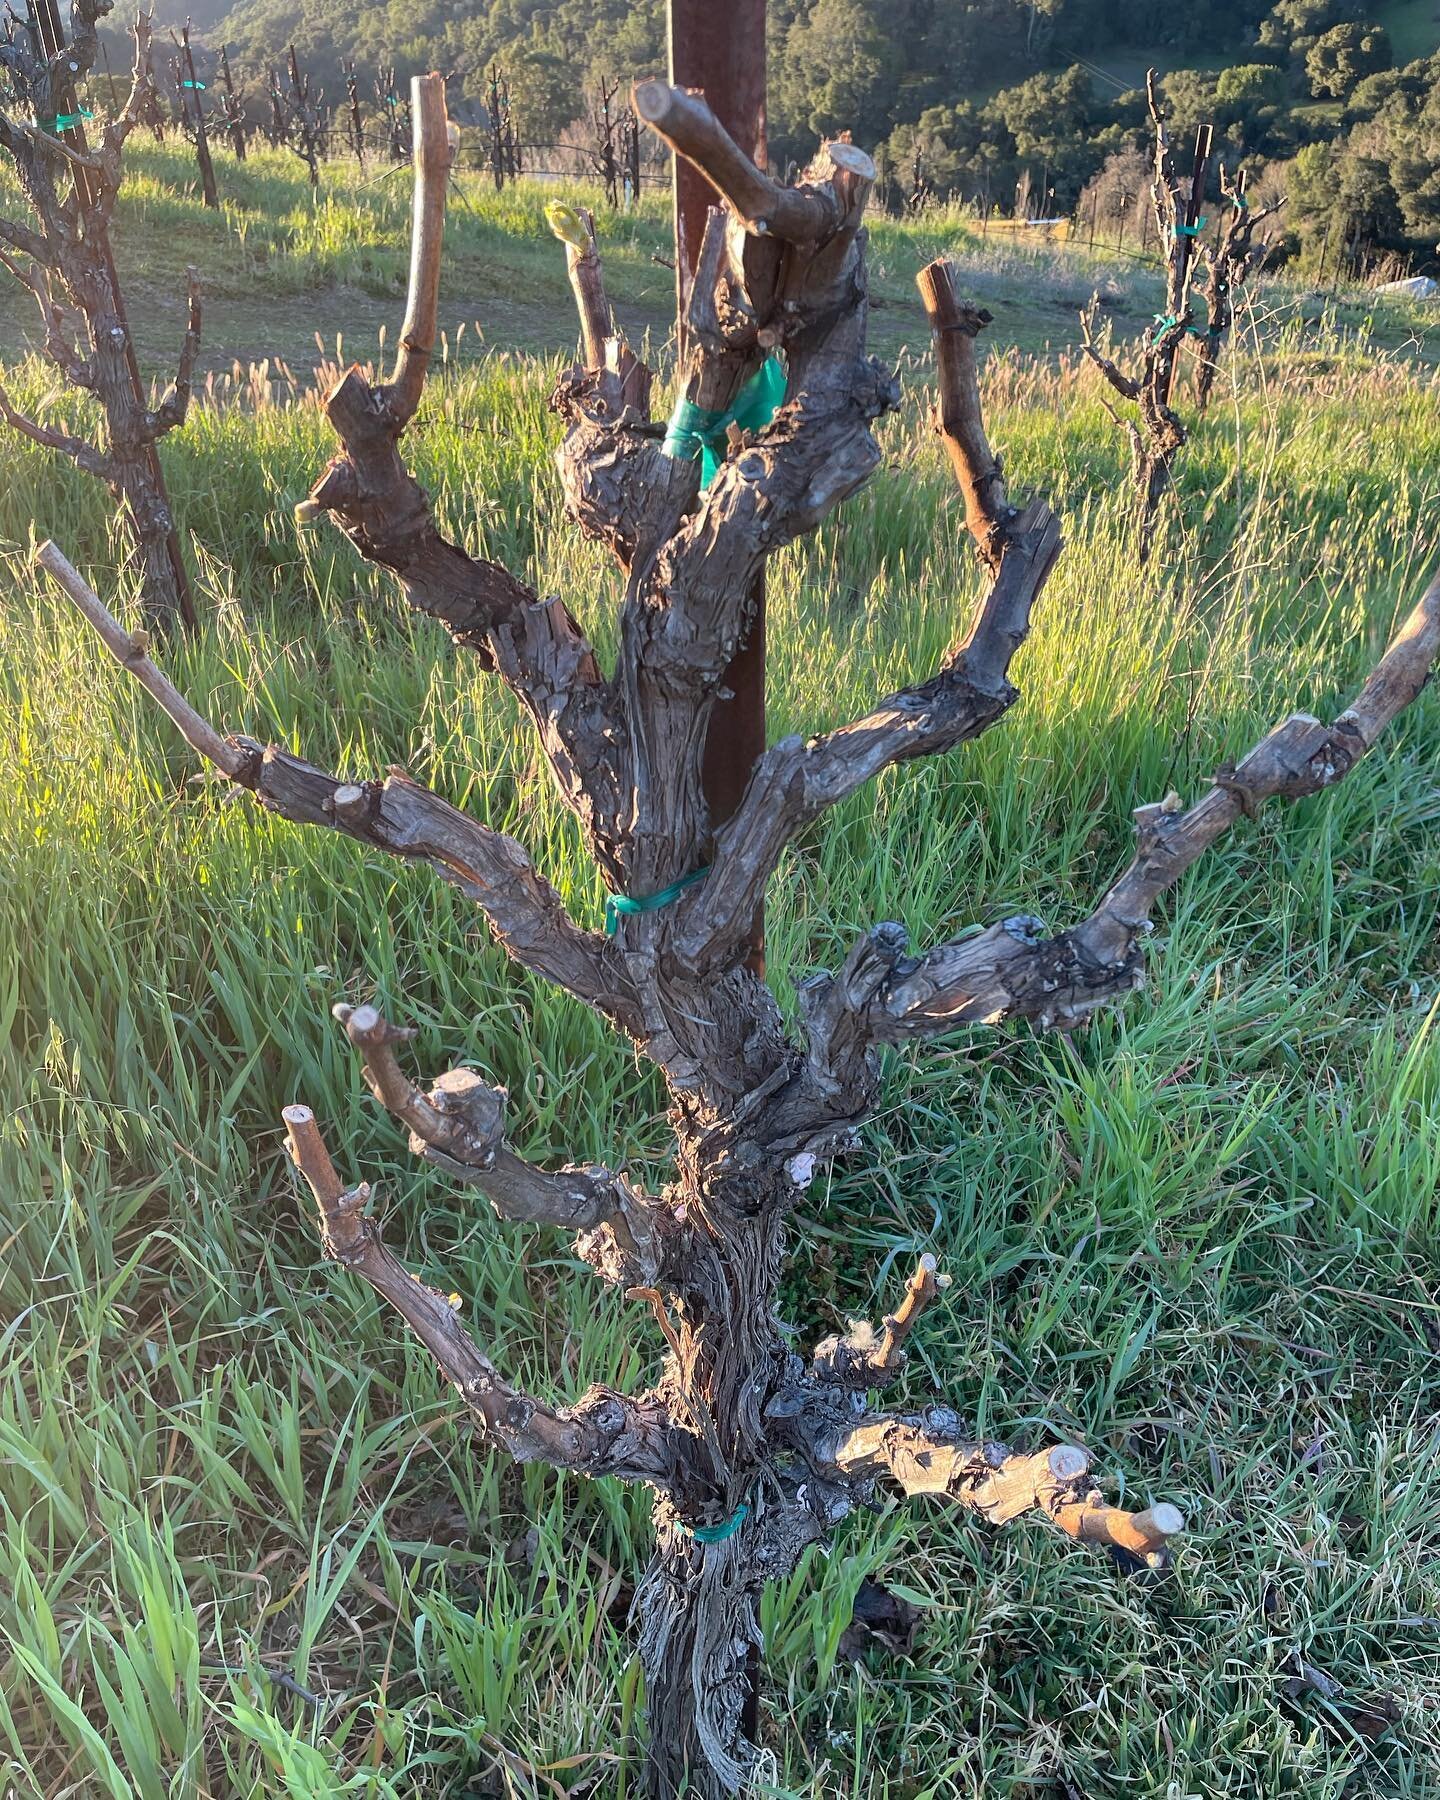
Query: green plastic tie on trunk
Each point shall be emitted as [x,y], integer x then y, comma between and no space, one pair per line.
[1192,230]
[615,904]
[715,1534]
[1166,321]
[68,121]
[696,431]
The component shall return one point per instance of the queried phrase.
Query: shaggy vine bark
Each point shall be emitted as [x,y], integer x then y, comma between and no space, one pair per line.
[751,1448]
[64,260]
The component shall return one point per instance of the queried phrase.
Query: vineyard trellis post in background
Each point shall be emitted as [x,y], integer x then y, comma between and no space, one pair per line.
[1156,431]
[112,91]
[721,51]
[1229,264]
[753,1450]
[232,109]
[65,261]
[630,152]
[514,161]
[499,158]
[190,89]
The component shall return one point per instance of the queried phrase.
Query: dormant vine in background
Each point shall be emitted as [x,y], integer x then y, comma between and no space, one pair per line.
[1156,431]
[189,92]
[230,107]
[299,117]
[1229,263]
[62,256]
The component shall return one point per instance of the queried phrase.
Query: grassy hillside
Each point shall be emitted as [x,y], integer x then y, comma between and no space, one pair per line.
[282,267]
[247,1547]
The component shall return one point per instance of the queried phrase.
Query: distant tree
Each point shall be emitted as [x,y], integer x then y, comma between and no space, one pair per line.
[1252,106]
[1192,99]
[931,140]
[946,41]
[634,43]
[1128,113]
[840,68]
[1337,61]
[542,90]
[1310,181]
[1412,156]
[1343,200]
[1251,85]
[1291,27]
[597,38]
[964,149]
[1053,120]
[1414,83]
[1117,196]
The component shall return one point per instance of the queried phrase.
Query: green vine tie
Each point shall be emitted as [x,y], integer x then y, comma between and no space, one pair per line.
[695,431]
[715,1534]
[615,904]
[1167,321]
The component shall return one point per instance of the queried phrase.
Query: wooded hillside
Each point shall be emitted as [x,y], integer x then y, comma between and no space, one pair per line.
[1015,105]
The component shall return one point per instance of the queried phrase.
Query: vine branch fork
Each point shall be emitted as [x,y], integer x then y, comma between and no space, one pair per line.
[603,1434]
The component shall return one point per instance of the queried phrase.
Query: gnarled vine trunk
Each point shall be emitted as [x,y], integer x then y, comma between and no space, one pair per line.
[697,1617]
[752,1447]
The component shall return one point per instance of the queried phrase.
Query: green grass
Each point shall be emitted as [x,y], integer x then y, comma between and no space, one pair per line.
[1202,1236]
